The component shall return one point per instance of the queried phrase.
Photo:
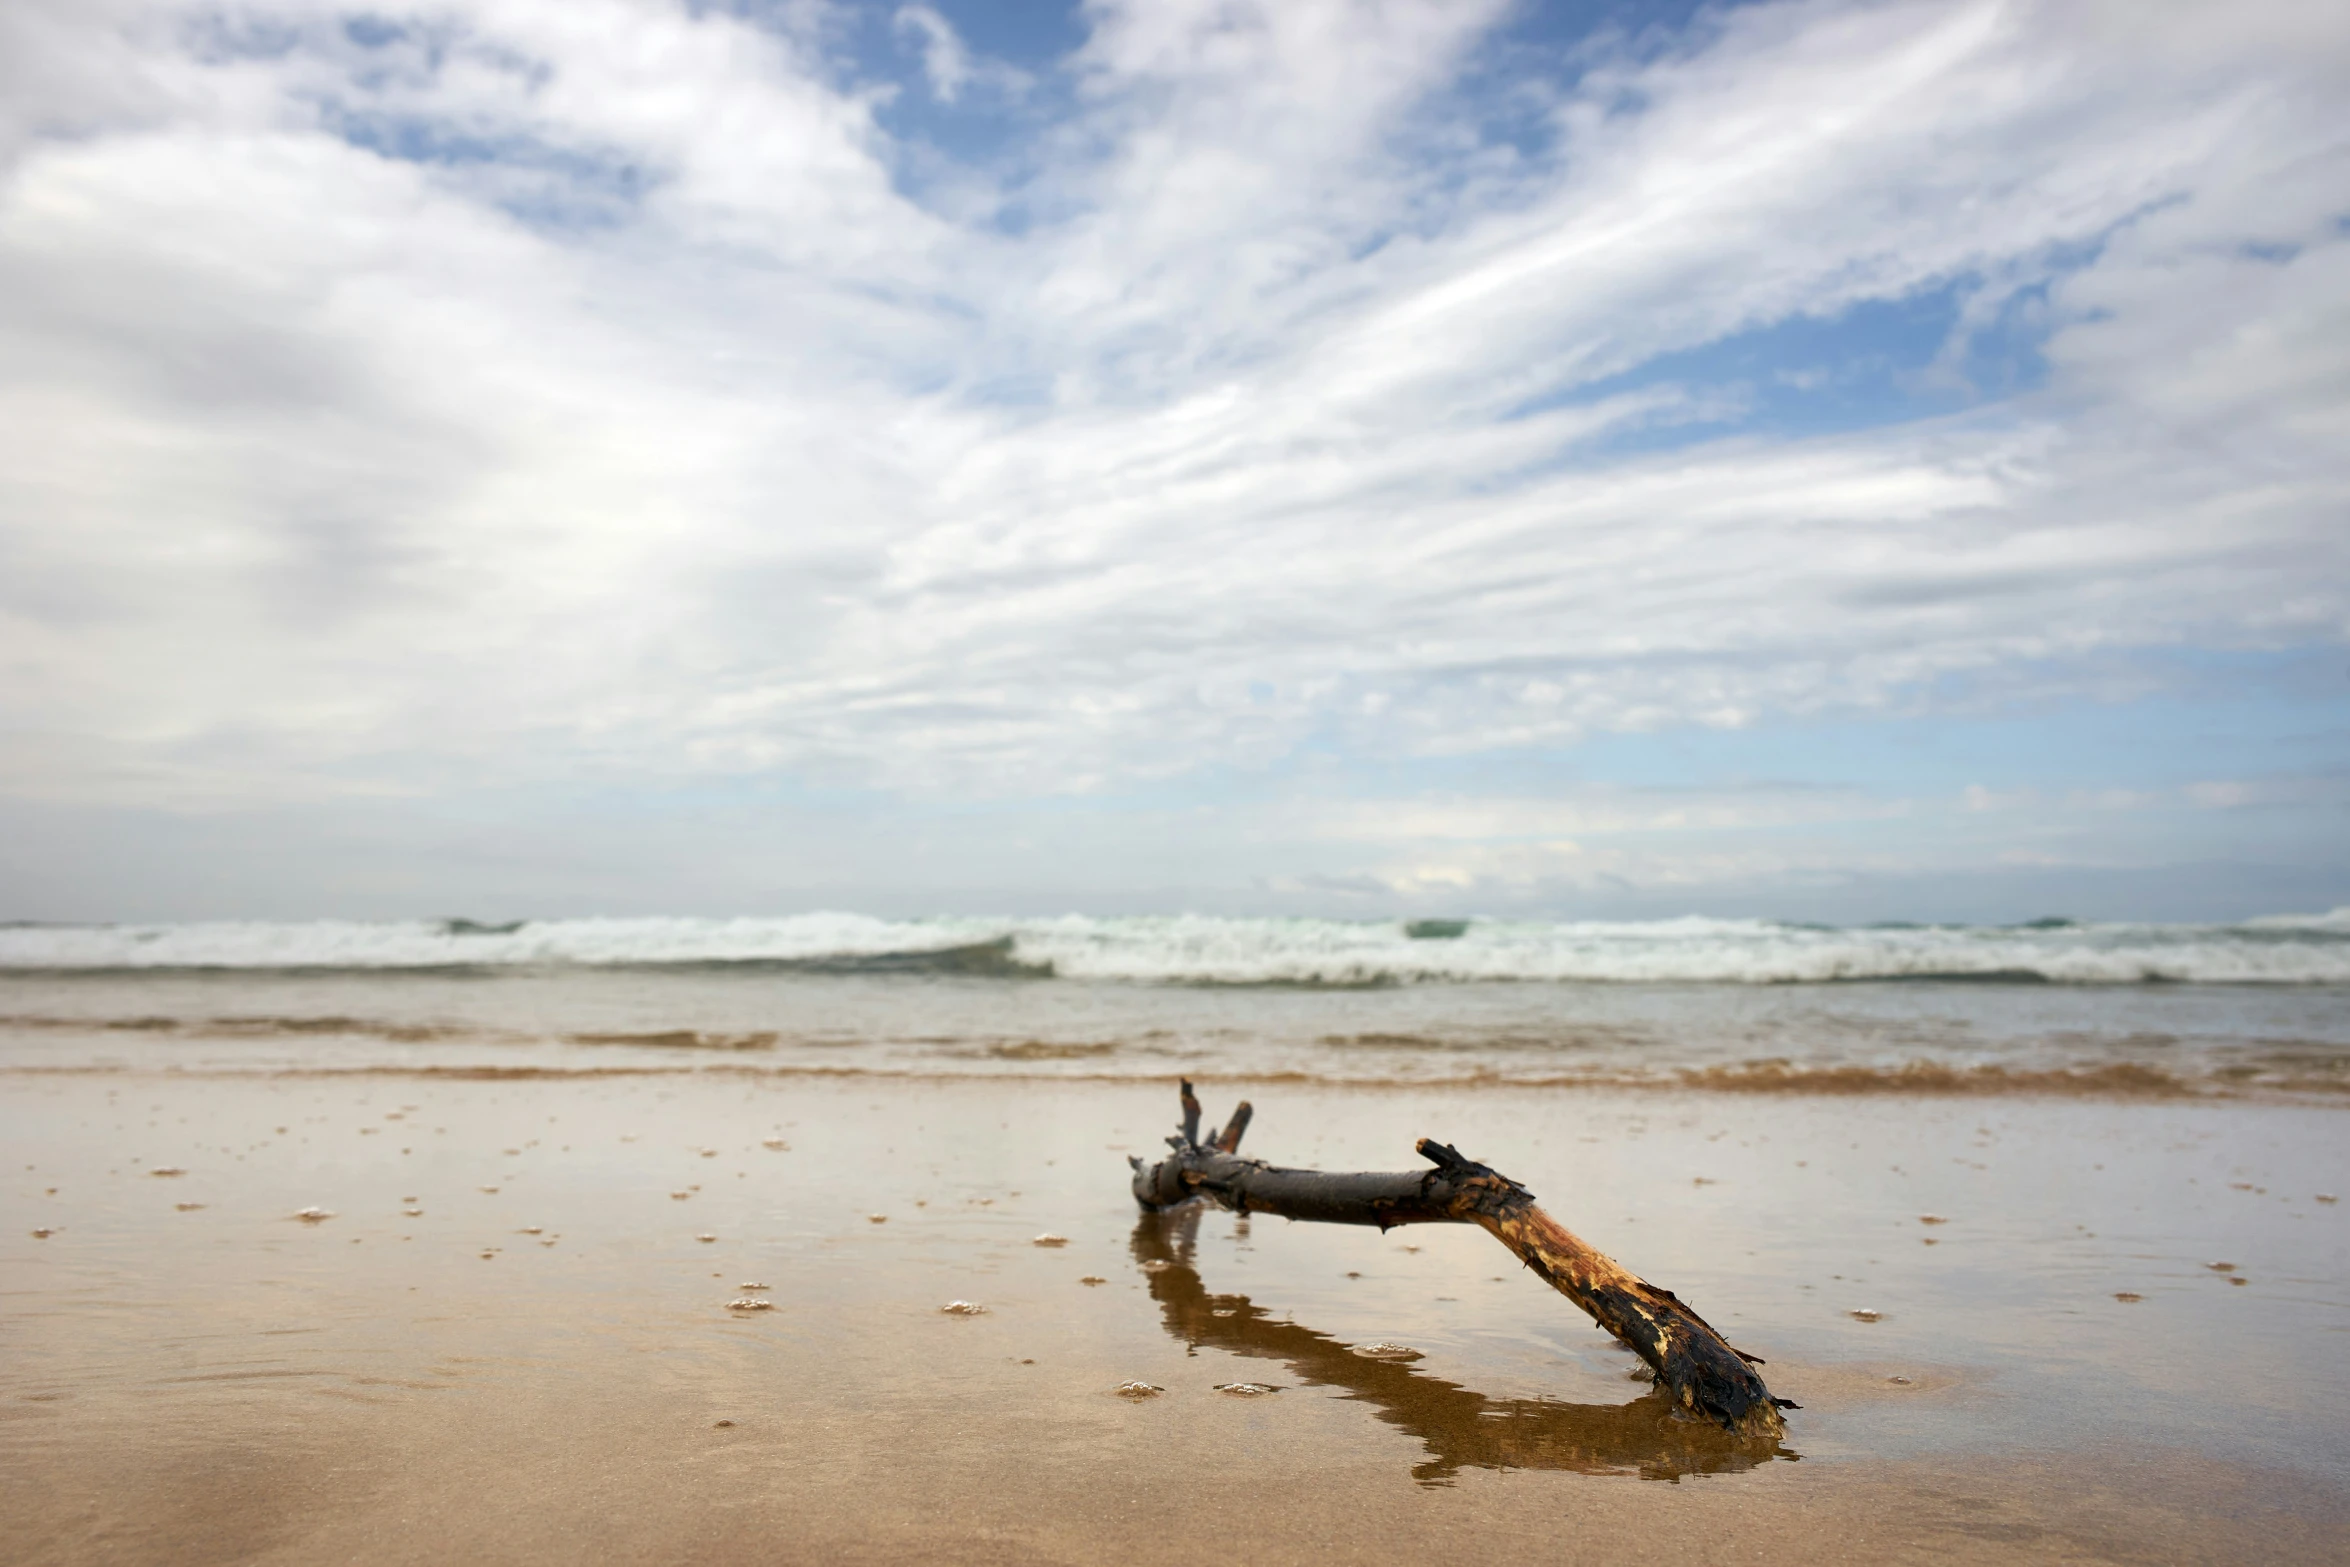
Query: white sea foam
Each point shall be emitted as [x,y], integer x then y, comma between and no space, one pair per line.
[1199,949]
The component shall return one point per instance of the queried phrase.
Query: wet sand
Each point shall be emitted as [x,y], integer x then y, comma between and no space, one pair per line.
[544,1361]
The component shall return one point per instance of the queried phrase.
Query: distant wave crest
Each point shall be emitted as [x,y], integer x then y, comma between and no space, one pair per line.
[1204,950]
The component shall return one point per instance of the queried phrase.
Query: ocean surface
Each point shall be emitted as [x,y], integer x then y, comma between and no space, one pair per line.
[2258,1008]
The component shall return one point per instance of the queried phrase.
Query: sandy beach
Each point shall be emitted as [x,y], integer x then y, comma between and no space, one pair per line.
[513,1329]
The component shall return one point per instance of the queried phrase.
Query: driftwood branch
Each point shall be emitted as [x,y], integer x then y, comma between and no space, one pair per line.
[1459,1427]
[1691,1362]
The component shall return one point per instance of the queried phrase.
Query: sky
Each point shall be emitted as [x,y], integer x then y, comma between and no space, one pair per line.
[1816,460]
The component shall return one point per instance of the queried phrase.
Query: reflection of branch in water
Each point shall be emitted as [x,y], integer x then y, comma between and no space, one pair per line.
[1461,1428]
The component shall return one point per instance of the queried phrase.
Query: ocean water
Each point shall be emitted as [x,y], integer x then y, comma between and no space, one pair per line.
[2259,1008]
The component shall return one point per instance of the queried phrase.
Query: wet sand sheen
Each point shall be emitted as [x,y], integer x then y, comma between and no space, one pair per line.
[508,1339]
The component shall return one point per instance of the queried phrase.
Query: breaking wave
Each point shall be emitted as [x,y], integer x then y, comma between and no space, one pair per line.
[1204,950]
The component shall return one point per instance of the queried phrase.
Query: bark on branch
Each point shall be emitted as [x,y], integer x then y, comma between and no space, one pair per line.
[1692,1363]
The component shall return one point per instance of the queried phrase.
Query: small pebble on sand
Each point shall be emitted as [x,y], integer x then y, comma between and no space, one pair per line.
[1138,1390]
[776,1143]
[750,1303]
[491,1190]
[747,1285]
[1932,1218]
[187,1207]
[963,1308]
[313,1215]
[679,1196]
[720,1425]
[531,1229]
[2221,1267]
[1865,1314]
[705,1238]
[2327,1197]
[1093,1278]
[167,1169]
[877,1218]
[1386,1351]
[2128,1297]
[1246,1389]
[1050,1240]
[44,1232]
[413,1213]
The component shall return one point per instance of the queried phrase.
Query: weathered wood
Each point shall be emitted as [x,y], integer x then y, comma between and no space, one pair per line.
[1691,1361]
[1458,1426]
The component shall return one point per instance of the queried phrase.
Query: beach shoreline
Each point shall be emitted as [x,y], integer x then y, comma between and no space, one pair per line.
[539,1370]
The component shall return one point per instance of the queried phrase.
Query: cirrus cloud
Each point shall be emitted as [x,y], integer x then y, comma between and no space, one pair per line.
[530,390]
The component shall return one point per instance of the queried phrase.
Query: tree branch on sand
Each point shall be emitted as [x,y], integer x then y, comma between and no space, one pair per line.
[1457,1426]
[1691,1361]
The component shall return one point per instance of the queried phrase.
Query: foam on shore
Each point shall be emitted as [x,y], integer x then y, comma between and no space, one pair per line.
[1204,950]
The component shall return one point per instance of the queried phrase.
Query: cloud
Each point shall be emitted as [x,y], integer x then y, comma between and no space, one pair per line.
[948,65]
[2325,792]
[513,391]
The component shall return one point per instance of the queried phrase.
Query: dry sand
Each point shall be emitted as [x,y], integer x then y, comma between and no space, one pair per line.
[541,1362]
